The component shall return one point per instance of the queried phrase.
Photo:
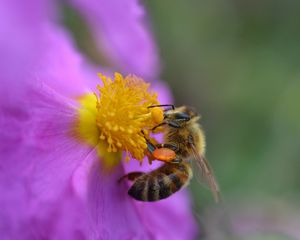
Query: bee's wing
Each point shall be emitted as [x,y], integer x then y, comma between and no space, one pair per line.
[207,173]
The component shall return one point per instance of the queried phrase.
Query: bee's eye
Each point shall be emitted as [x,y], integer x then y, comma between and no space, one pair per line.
[182,116]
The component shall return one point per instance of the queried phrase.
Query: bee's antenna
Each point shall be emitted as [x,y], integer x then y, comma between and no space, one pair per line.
[163,105]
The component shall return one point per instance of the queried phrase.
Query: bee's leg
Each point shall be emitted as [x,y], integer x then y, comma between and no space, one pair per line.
[131,176]
[157,126]
[176,160]
[150,155]
[150,149]
[150,146]
[167,145]
[191,140]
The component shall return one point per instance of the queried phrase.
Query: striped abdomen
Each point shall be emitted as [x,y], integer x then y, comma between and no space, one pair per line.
[161,183]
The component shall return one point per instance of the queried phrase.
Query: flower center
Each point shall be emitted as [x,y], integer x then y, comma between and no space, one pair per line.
[118,116]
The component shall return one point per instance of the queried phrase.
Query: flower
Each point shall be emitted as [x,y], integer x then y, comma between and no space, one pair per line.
[53,180]
[122,115]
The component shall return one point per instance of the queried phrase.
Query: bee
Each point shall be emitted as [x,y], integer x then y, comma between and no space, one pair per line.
[183,140]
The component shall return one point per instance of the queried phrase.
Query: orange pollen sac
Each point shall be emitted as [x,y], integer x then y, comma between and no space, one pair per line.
[164,154]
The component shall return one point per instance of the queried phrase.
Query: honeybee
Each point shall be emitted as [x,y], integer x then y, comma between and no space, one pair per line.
[183,140]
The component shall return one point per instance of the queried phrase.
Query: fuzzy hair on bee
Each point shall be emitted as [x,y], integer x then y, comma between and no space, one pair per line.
[183,132]
[182,135]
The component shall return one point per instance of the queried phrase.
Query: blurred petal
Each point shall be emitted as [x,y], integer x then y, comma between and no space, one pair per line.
[174,211]
[114,215]
[42,107]
[20,31]
[61,67]
[20,28]
[65,219]
[36,51]
[112,212]
[38,157]
[119,27]
[38,153]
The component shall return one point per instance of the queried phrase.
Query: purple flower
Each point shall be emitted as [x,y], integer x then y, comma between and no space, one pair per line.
[54,180]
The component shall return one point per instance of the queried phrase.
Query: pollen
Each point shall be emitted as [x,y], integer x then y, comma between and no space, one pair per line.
[121,116]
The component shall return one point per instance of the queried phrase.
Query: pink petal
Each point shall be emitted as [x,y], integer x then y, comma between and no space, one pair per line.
[158,217]
[122,34]
[38,157]
[114,215]
[20,28]
[37,153]
[61,67]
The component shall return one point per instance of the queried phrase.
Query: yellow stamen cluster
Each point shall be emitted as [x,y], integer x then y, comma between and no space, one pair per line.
[122,115]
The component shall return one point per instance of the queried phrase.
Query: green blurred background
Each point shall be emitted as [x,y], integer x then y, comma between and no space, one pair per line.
[238,63]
